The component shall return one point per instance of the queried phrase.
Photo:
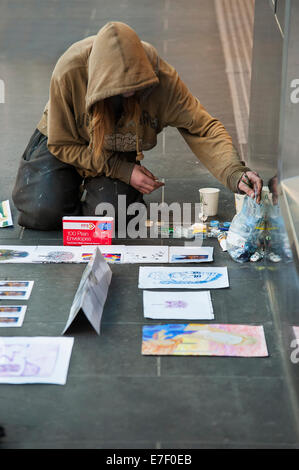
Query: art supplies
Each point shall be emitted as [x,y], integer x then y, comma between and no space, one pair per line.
[161,277]
[34,359]
[175,305]
[5,214]
[92,292]
[204,340]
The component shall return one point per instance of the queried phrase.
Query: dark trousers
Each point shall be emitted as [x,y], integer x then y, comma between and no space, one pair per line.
[46,189]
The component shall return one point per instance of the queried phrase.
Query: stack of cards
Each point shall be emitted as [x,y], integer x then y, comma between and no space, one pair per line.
[13,315]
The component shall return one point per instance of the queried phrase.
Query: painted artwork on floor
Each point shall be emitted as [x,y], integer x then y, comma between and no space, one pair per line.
[182,277]
[190,339]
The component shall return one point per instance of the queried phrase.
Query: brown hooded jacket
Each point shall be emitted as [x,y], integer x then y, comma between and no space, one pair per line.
[113,62]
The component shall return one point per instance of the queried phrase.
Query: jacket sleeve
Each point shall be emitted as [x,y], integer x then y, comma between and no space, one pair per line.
[205,135]
[65,143]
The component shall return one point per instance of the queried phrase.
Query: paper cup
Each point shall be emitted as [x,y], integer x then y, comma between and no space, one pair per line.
[209,197]
[239,199]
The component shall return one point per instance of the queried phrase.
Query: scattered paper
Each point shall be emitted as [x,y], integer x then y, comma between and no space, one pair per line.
[92,292]
[12,315]
[182,278]
[34,359]
[146,254]
[5,214]
[112,253]
[178,305]
[15,290]
[190,254]
[56,254]
[204,340]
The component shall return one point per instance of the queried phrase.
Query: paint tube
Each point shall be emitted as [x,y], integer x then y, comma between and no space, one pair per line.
[222,240]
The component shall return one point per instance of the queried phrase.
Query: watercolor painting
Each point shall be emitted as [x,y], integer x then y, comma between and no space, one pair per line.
[163,277]
[8,254]
[8,321]
[10,309]
[57,257]
[146,254]
[5,214]
[34,360]
[16,289]
[204,340]
[175,305]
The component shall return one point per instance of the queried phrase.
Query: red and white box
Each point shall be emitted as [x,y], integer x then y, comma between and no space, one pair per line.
[87,230]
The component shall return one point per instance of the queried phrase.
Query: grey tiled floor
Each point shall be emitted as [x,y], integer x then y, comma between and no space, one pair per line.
[114,396]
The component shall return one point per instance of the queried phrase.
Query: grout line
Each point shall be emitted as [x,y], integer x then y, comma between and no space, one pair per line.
[240,128]
[159,366]
[248,22]
[165,46]
[235,48]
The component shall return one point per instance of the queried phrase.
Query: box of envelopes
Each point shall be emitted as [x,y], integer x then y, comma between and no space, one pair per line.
[87,230]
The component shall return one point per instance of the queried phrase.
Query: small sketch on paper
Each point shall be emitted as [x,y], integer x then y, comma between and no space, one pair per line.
[188,254]
[109,257]
[177,258]
[182,277]
[172,304]
[204,340]
[5,214]
[175,304]
[146,254]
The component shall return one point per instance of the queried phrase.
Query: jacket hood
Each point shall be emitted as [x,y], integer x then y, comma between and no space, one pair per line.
[119,62]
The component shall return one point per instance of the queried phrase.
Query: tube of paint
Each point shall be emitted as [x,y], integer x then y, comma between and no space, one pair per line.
[222,240]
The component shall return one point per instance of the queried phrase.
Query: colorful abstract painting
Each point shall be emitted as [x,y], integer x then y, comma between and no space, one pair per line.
[189,339]
[5,214]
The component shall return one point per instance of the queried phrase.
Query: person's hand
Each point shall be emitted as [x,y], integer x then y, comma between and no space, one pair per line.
[143,180]
[251,184]
[273,187]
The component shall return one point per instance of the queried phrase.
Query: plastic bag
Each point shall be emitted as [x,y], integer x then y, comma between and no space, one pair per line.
[246,235]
